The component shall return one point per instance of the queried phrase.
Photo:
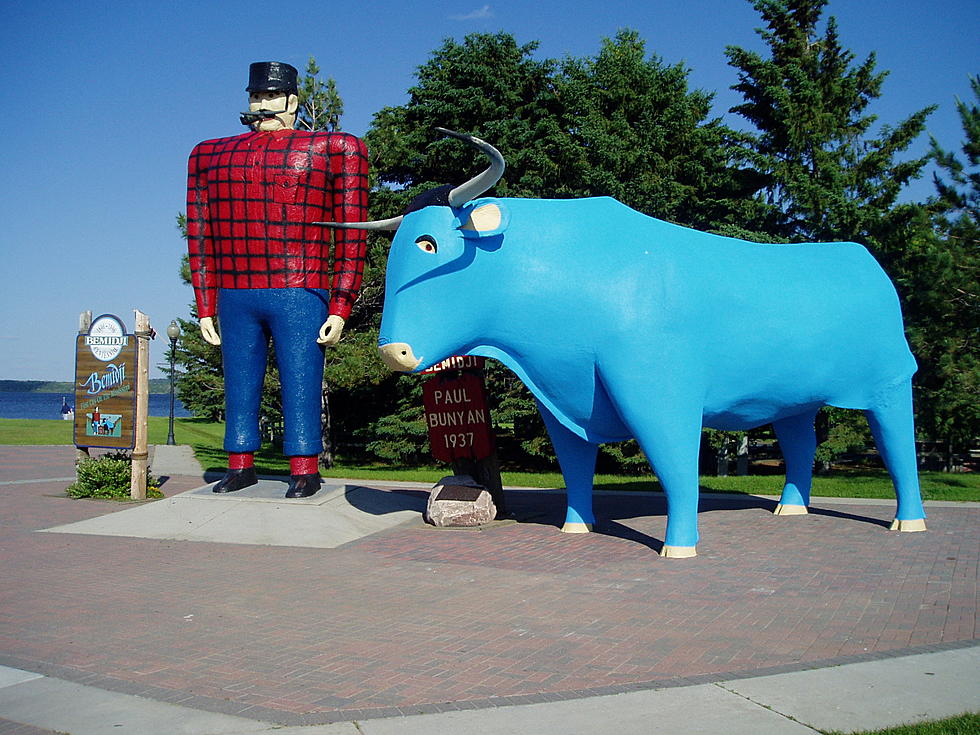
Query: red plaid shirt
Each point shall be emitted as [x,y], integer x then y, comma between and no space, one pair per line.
[250,199]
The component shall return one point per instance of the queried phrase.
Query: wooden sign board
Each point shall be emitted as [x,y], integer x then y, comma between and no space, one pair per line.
[105,385]
[456,414]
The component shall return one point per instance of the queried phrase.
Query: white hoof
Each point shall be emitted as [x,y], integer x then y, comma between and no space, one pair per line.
[576,527]
[916,524]
[678,552]
[790,510]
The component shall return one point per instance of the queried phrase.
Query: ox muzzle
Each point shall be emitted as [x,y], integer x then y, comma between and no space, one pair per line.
[398,356]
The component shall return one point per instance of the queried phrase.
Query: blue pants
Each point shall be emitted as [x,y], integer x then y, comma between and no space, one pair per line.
[292,318]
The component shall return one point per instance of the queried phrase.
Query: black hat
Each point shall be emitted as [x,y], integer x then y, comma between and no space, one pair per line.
[437,197]
[271,76]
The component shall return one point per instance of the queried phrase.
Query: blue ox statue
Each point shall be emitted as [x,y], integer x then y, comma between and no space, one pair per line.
[624,326]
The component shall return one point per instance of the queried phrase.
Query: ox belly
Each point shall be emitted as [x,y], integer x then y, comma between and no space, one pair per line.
[572,392]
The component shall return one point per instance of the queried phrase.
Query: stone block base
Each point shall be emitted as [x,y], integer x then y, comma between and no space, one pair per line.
[458,501]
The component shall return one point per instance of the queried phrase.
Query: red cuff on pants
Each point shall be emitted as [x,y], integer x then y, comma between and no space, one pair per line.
[240,460]
[304,465]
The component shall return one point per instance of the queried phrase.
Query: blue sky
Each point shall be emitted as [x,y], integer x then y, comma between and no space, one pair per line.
[106,99]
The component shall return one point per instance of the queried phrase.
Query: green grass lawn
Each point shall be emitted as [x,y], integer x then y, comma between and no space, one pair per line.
[968,724]
[41,431]
[206,439]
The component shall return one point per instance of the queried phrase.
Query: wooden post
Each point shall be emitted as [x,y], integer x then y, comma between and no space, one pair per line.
[485,471]
[137,488]
[84,322]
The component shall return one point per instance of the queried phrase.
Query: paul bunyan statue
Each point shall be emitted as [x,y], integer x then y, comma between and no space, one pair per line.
[262,269]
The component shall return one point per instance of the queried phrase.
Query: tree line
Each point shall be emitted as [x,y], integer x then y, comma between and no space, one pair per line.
[811,165]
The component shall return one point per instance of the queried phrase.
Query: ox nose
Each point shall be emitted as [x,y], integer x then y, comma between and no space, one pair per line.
[399,356]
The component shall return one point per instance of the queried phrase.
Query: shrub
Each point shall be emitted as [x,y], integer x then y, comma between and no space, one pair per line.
[109,476]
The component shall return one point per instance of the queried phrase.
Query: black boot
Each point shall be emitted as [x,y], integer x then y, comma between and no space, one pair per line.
[236,480]
[303,486]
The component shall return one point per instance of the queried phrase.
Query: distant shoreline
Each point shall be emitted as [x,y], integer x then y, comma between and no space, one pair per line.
[157,385]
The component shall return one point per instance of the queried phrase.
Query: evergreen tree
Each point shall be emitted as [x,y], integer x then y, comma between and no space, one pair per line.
[320,105]
[829,175]
[199,382]
[959,196]
[808,100]
[487,85]
[490,86]
[637,133]
[942,277]
[617,124]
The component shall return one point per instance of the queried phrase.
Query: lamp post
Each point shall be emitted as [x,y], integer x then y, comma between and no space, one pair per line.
[173,331]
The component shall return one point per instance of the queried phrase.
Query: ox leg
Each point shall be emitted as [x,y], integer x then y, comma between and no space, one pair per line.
[671,439]
[665,417]
[894,432]
[798,443]
[576,457]
[674,457]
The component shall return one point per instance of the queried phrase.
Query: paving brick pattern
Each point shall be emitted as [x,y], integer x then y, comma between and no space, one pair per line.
[419,620]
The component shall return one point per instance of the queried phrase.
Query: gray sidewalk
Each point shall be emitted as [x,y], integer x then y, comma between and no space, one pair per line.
[852,697]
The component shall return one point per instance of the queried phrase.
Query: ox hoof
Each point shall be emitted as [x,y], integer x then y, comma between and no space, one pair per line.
[790,510]
[916,524]
[570,527]
[678,552]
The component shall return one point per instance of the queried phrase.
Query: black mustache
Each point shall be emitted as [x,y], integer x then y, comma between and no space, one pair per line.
[250,118]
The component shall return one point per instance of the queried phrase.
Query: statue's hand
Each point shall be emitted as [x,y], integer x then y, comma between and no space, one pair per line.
[208,331]
[330,331]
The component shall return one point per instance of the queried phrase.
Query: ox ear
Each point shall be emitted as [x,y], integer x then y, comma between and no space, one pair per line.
[483,218]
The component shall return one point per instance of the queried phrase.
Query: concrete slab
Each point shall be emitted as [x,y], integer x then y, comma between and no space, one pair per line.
[695,709]
[339,728]
[63,706]
[174,460]
[261,515]
[9,676]
[872,695]
[266,491]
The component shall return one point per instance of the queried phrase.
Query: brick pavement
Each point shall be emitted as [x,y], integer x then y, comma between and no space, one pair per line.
[418,619]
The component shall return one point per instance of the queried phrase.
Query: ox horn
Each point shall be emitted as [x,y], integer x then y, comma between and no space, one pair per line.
[482,182]
[457,197]
[390,224]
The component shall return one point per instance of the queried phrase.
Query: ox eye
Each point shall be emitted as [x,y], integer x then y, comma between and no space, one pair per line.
[426,244]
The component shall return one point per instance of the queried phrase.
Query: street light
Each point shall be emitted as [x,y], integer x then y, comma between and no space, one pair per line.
[173,331]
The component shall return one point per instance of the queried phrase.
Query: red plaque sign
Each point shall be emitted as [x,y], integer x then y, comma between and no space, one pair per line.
[457,362]
[456,412]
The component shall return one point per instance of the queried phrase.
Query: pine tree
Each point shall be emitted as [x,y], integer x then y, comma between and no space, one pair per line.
[617,124]
[809,102]
[491,86]
[640,135]
[487,85]
[829,175]
[942,277]
[320,105]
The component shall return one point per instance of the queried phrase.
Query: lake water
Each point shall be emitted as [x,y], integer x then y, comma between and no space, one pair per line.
[18,405]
